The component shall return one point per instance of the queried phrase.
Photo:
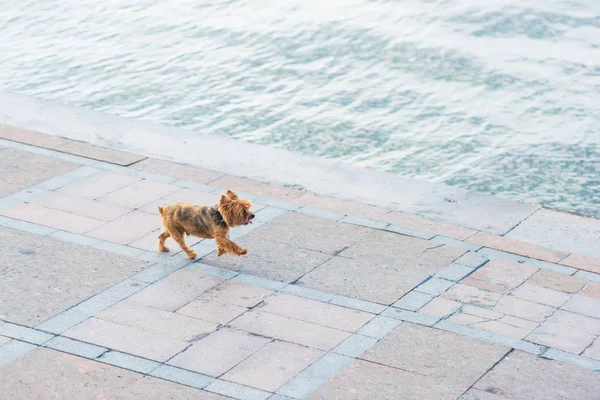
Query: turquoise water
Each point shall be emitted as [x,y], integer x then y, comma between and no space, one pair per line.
[501,97]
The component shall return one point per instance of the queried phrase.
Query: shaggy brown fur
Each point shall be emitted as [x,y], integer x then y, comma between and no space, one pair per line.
[205,222]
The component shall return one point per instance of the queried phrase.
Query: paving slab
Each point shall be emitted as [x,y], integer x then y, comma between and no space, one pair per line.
[236,294]
[290,330]
[428,225]
[556,281]
[514,246]
[523,309]
[593,351]
[583,305]
[160,322]
[80,206]
[220,351]
[504,275]
[21,169]
[315,312]
[53,218]
[591,264]
[266,189]
[313,233]
[271,260]
[455,359]
[365,380]
[139,193]
[99,185]
[41,277]
[212,311]
[472,295]
[273,366]
[176,290]
[523,376]
[179,171]
[566,331]
[341,206]
[149,388]
[560,230]
[45,374]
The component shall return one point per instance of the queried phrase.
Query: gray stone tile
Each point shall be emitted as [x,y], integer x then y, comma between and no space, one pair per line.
[561,269]
[26,226]
[237,391]
[404,230]
[63,321]
[284,205]
[315,212]
[413,301]
[75,347]
[368,223]
[154,273]
[307,293]
[454,272]
[155,177]
[212,271]
[74,238]
[456,243]
[306,382]
[251,280]
[128,361]
[182,376]
[357,304]
[195,185]
[110,296]
[6,203]
[81,172]
[14,350]
[410,316]
[572,359]
[28,195]
[24,333]
[279,397]
[472,259]
[379,326]
[118,249]
[355,346]
[492,253]
[268,214]
[55,183]
[588,275]
[435,286]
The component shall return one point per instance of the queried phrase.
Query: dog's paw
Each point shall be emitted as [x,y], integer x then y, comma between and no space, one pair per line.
[192,254]
[220,252]
[165,249]
[242,252]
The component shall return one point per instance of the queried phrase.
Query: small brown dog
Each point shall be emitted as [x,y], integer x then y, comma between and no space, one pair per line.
[205,222]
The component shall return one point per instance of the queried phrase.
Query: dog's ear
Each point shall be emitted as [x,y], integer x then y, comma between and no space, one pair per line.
[225,200]
[232,195]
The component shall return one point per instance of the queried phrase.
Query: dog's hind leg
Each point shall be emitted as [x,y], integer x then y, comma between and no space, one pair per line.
[178,237]
[161,241]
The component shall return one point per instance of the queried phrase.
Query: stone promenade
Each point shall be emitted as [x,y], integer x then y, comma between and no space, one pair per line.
[336,300]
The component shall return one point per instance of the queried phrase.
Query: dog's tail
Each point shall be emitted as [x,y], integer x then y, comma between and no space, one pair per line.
[160,210]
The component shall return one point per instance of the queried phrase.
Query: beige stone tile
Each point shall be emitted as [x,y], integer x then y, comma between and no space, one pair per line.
[504,273]
[212,311]
[593,351]
[180,171]
[426,225]
[128,228]
[237,294]
[183,196]
[579,261]
[554,280]
[126,339]
[523,309]
[176,290]
[316,312]
[363,380]
[219,352]
[566,331]
[592,291]
[457,360]
[139,193]
[159,322]
[52,218]
[41,276]
[312,233]
[583,305]
[149,388]
[503,329]
[21,169]
[271,260]
[541,295]
[99,153]
[45,374]
[341,206]
[440,307]
[256,187]
[99,184]
[273,366]
[381,268]
[517,247]
[519,322]
[33,138]
[81,206]
[482,312]
[290,330]
[465,319]
[471,295]
[525,376]
[485,285]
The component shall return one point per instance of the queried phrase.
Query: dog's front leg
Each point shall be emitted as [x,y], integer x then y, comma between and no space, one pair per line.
[226,245]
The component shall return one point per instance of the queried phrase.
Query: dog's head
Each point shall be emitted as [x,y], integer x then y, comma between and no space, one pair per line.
[234,210]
